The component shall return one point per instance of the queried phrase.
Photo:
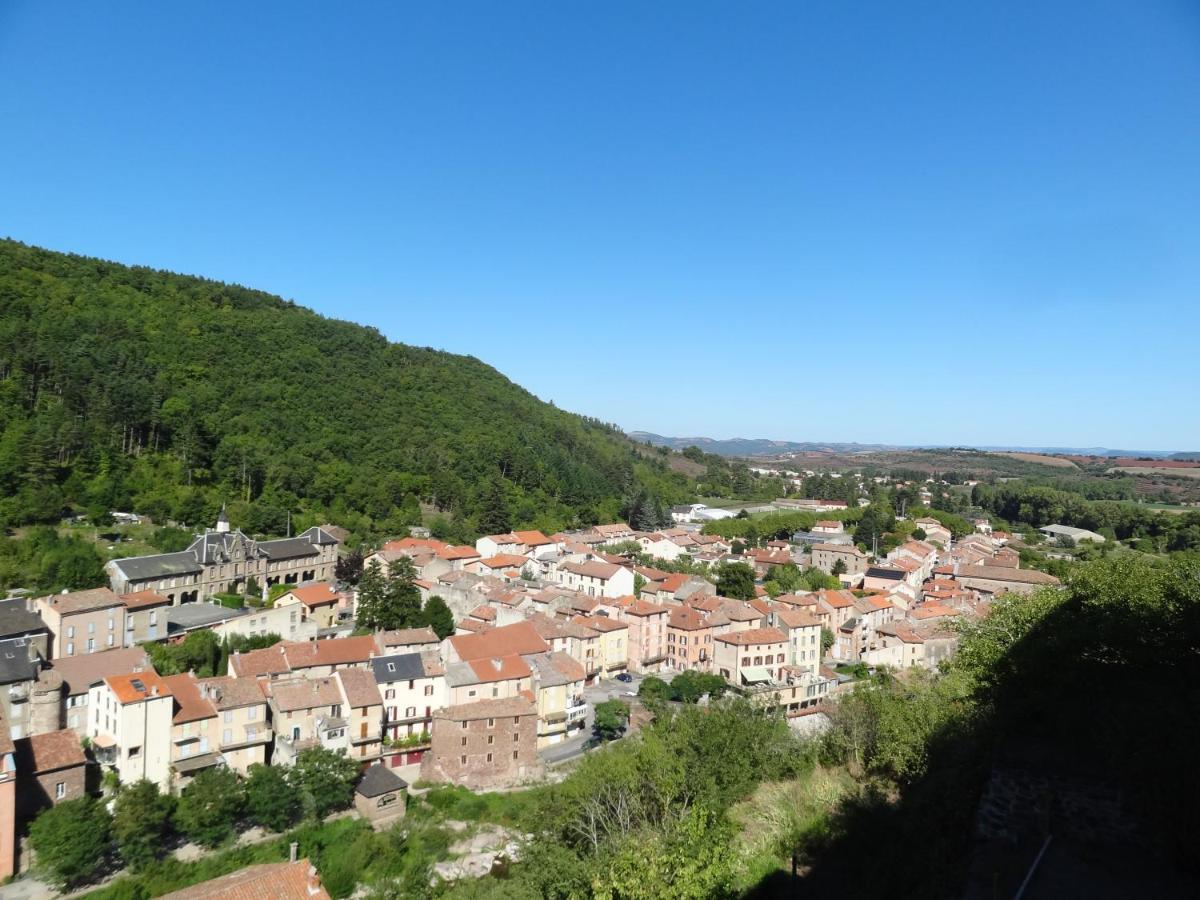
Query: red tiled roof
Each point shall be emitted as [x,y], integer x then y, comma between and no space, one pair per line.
[316,594]
[268,881]
[137,686]
[143,600]
[753,636]
[516,639]
[190,704]
[47,752]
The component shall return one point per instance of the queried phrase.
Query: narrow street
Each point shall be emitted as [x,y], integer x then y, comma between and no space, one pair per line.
[597,693]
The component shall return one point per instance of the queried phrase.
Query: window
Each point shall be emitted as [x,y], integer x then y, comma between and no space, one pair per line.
[411,684]
[227,736]
[516,737]
[464,725]
[389,694]
[464,742]
[391,667]
[489,757]
[91,645]
[516,753]
[110,640]
[228,716]
[70,649]
[60,790]
[409,712]
[70,631]
[429,690]
[491,723]
[471,693]
[462,760]
[91,627]
[135,752]
[252,714]
[491,739]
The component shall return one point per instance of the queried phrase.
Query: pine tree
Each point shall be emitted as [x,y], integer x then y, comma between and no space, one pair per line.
[494,516]
[401,604]
[371,590]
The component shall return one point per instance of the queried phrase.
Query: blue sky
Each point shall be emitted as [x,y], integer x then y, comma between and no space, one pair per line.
[900,222]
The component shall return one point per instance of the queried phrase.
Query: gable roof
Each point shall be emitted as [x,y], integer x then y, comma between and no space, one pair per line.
[753,636]
[359,687]
[47,752]
[378,780]
[316,594]
[268,881]
[519,638]
[593,569]
[136,687]
[81,601]
[81,672]
[16,620]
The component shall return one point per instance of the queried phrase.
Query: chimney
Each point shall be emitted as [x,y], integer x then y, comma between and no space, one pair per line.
[154,690]
[293,847]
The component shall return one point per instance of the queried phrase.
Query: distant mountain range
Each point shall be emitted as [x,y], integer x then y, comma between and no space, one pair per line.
[767,447]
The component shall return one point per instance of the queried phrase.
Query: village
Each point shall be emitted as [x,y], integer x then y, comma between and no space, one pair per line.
[545,628]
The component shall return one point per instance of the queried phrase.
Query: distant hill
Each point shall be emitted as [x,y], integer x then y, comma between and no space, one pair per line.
[765,447]
[751,446]
[133,389]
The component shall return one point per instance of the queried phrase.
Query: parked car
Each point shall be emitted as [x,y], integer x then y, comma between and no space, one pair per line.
[625,676]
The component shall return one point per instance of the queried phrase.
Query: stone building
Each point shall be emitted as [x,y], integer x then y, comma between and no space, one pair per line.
[485,744]
[51,769]
[223,560]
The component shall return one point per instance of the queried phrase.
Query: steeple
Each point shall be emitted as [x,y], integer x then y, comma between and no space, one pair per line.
[223,521]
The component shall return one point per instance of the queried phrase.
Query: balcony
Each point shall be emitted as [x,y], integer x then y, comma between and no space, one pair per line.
[262,737]
[577,712]
[18,693]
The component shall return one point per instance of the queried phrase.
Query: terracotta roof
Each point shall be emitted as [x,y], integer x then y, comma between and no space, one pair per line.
[269,881]
[331,651]
[643,608]
[316,594]
[359,687]
[82,601]
[840,548]
[686,618]
[137,686]
[230,693]
[796,618]
[753,636]
[412,543]
[453,552]
[47,752]
[519,638]
[505,561]
[401,637]
[600,623]
[304,693]
[257,663]
[190,703]
[484,612]
[487,709]
[500,668]
[836,599]
[532,538]
[80,672]
[601,570]
[614,529]
[143,599]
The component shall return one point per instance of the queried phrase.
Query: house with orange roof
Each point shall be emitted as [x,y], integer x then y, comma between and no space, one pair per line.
[595,578]
[130,719]
[362,708]
[689,639]
[612,638]
[647,633]
[318,603]
[750,657]
[507,544]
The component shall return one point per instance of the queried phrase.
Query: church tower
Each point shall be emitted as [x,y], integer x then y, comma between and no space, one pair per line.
[223,521]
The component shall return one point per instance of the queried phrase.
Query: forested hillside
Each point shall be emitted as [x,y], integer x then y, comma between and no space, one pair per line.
[134,389]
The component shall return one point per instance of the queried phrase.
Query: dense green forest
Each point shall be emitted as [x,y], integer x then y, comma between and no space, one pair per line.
[134,389]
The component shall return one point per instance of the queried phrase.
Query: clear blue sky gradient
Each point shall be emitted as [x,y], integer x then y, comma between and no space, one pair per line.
[899,222]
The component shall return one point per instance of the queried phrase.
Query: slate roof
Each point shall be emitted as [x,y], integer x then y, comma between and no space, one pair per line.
[15,664]
[378,780]
[400,667]
[199,615]
[287,548]
[16,620]
[160,565]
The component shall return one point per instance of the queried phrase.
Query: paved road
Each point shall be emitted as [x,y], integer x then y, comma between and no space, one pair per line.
[597,693]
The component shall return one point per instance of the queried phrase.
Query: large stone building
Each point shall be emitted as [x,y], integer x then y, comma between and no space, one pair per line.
[485,744]
[223,560]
